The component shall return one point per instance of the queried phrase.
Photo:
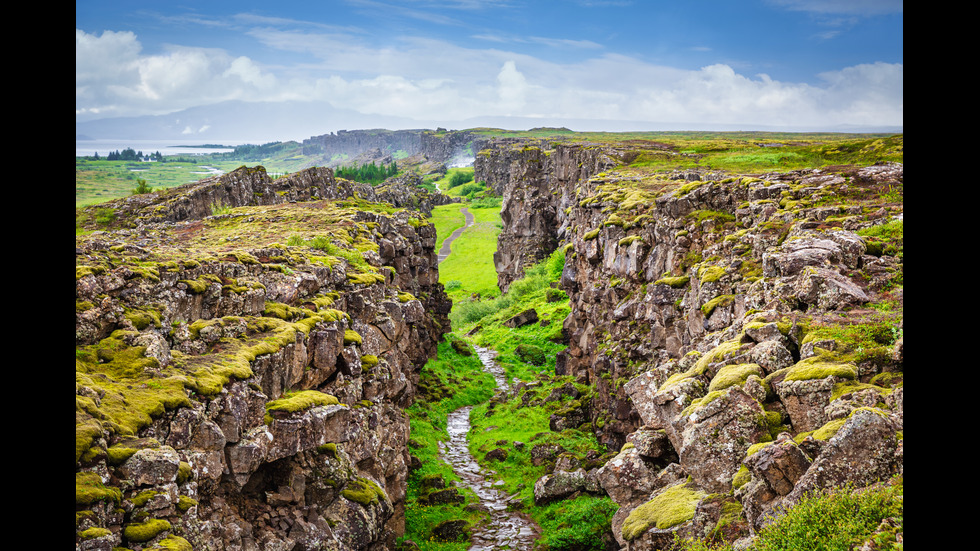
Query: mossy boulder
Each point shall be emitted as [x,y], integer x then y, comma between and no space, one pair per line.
[672,506]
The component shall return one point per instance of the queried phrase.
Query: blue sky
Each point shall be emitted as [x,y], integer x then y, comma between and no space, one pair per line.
[761,62]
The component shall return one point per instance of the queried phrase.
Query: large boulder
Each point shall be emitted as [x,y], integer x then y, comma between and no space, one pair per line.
[715,436]
[558,485]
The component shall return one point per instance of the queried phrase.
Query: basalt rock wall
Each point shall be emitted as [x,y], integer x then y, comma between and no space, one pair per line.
[538,185]
[706,313]
[249,395]
[441,146]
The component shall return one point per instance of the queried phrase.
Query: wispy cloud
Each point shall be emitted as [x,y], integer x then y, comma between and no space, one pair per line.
[853,7]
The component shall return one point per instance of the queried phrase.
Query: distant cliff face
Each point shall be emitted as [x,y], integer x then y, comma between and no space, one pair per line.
[742,334]
[440,146]
[240,378]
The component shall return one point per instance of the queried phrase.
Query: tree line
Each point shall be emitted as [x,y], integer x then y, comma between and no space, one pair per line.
[130,154]
[367,173]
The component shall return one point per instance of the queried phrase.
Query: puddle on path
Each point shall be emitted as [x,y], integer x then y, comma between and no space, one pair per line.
[506,529]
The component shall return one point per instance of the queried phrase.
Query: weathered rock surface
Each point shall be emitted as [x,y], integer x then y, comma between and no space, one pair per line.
[722,322]
[246,394]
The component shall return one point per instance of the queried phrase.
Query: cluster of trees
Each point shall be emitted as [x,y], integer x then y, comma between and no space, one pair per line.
[368,173]
[460,178]
[252,152]
[130,154]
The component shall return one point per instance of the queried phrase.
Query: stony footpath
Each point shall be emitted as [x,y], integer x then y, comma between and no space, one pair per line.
[505,529]
[742,333]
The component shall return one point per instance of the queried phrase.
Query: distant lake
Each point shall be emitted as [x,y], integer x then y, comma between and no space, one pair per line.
[85,148]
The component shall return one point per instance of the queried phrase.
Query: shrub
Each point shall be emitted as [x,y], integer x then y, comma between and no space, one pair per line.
[460,178]
[834,520]
[531,354]
[142,187]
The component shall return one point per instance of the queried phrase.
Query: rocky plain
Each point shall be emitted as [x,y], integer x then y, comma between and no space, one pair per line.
[246,346]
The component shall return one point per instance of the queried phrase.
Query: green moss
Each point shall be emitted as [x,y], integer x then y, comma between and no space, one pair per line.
[175,543]
[364,491]
[703,401]
[405,297]
[592,234]
[143,497]
[141,319]
[368,361]
[90,489]
[352,337]
[366,279]
[145,531]
[184,503]
[184,472]
[614,220]
[687,188]
[711,274]
[201,284]
[300,401]
[82,271]
[817,367]
[627,241]
[94,532]
[118,454]
[672,507]
[716,354]
[329,448]
[824,433]
[675,282]
[741,478]
[723,300]
[732,375]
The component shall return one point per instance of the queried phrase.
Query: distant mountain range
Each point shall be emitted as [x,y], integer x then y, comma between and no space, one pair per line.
[238,122]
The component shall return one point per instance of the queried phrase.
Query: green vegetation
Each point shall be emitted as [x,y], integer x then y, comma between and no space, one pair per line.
[670,508]
[471,261]
[367,173]
[100,179]
[840,519]
[142,187]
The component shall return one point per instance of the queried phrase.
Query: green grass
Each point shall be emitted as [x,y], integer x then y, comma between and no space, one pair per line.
[445,181]
[102,180]
[446,219]
[471,260]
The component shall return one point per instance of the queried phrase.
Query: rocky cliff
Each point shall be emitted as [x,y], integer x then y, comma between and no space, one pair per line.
[244,350]
[742,333]
[441,146]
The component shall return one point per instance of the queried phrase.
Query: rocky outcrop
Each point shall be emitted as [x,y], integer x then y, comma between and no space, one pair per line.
[235,391]
[723,323]
[437,145]
[252,186]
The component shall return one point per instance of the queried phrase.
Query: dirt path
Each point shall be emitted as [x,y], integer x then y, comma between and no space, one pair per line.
[447,244]
[506,529]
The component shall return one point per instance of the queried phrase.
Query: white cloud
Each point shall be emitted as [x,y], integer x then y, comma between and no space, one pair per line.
[512,89]
[430,79]
[113,78]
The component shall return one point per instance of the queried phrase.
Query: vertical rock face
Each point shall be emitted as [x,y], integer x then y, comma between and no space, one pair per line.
[235,392]
[441,146]
[718,310]
[537,186]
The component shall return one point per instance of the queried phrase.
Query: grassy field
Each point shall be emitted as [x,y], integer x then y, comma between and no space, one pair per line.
[447,219]
[469,269]
[97,181]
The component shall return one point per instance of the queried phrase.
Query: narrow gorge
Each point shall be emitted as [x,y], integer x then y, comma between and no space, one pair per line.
[268,363]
